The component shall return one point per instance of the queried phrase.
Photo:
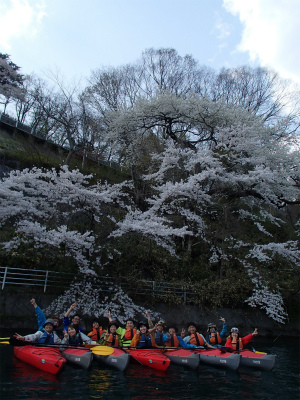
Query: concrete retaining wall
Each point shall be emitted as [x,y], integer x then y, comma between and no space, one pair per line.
[17,313]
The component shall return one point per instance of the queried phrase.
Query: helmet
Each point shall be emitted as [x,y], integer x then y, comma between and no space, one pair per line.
[49,321]
[162,323]
[235,330]
[209,326]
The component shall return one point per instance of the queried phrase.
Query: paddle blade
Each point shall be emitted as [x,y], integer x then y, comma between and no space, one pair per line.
[102,350]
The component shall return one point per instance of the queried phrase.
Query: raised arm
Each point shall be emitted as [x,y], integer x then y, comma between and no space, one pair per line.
[150,323]
[70,309]
[39,313]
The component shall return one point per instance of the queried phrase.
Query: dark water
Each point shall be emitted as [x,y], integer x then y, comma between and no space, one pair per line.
[20,381]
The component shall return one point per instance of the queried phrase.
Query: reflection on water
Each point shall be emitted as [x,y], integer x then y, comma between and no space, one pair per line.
[21,381]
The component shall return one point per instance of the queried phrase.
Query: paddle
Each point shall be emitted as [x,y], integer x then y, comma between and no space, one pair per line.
[102,350]
[94,348]
[226,349]
[4,339]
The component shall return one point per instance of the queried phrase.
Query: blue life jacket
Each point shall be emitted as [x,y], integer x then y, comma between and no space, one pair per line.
[145,341]
[46,338]
[75,341]
[159,338]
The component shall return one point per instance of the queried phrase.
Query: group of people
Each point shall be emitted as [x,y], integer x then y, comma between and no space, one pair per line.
[144,335]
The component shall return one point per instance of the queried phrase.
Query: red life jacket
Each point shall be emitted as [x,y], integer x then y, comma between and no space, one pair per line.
[196,339]
[215,338]
[112,340]
[237,343]
[96,334]
[173,342]
[129,334]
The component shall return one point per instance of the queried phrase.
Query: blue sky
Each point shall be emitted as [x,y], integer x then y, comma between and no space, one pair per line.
[76,36]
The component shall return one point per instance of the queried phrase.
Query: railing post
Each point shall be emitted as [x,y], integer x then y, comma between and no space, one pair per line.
[4,278]
[46,278]
[184,295]
[153,287]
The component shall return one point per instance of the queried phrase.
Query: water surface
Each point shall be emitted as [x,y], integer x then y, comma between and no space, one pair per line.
[21,381]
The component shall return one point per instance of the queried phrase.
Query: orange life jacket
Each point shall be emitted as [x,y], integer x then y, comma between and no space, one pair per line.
[129,334]
[96,334]
[196,339]
[237,343]
[112,340]
[215,338]
[173,342]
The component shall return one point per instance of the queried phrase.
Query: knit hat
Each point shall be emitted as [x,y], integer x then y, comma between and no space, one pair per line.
[49,321]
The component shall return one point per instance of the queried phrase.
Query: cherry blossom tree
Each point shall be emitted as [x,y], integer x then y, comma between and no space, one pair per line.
[223,180]
[10,81]
[44,206]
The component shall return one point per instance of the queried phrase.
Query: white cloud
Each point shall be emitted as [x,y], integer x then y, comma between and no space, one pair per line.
[19,19]
[271,33]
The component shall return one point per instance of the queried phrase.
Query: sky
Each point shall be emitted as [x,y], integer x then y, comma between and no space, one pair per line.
[76,36]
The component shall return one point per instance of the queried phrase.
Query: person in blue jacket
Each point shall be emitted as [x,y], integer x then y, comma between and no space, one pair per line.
[41,319]
[214,338]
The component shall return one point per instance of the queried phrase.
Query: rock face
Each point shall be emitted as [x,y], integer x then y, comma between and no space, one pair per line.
[17,312]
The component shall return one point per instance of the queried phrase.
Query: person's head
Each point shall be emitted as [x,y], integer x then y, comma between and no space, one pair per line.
[112,327]
[234,332]
[49,325]
[172,329]
[143,326]
[73,330]
[161,325]
[129,323]
[95,324]
[192,328]
[76,319]
[211,328]
[57,321]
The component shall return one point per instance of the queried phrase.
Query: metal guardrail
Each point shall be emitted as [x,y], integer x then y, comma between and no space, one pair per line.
[50,279]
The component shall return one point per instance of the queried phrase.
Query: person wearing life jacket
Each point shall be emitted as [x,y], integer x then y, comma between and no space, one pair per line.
[96,332]
[143,338]
[74,320]
[235,342]
[159,335]
[194,337]
[125,334]
[214,337]
[173,340]
[46,336]
[111,338]
[74,337]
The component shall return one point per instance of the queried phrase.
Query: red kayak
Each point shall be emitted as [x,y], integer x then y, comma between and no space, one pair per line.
[119,359]
[152,358]
[44,358]
[183,357]
[219,359]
